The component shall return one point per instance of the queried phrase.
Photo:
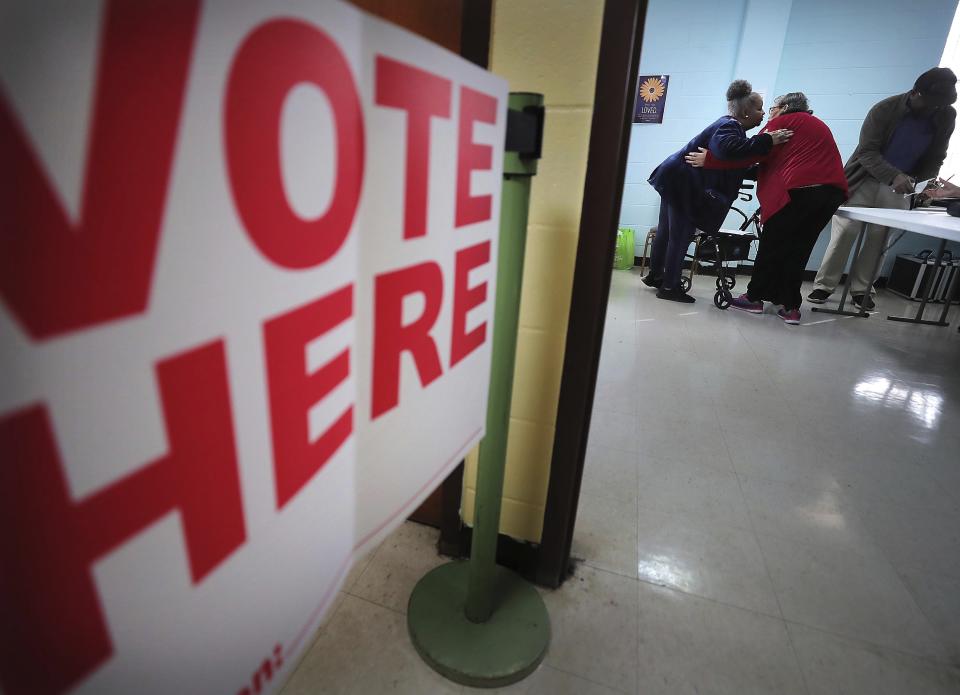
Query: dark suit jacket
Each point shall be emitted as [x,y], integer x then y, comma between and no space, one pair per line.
[705,195]
[867,160]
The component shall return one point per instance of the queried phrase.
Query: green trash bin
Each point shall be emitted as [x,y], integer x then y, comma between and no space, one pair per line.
[623,257]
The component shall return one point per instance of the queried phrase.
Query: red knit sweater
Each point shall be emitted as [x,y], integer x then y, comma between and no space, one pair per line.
[809,158]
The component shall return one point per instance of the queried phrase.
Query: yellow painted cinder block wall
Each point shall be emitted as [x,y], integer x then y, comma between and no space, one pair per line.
[551,47]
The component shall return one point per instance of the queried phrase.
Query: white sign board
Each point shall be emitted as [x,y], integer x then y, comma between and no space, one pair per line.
[247,264]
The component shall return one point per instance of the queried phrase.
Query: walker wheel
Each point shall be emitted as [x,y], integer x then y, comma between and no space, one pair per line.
[684,284]
[721,299]
[726,281]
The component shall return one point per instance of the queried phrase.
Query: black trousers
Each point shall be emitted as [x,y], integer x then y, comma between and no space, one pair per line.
[674,234]
[786,243]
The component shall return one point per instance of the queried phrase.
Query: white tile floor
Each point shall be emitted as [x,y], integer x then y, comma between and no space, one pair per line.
[765,509]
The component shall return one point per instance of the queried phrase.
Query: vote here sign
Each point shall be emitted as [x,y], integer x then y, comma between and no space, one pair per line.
[247,265]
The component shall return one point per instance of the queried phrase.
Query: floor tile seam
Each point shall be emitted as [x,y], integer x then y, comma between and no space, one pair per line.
[913,509]
[636,632]
[626,345]
[589,563]
[925,569]
[321,629]
[885,501]
[749,344]
[733,467]
[863,643]
[711,599]
[636,661]
[726,445]
[607,446]
[854,511]
[888,556]
[935,631]
[776,595]
[763,557]
[665,460]
[880,555]
[724,526]
[783,393]
[605,570]
[796,659]
[913,601]
[594,445]
[806,486]
[583,677]
[375,603]
[764,478]
[356,580]
[954,494]
[597,408]
[604,496]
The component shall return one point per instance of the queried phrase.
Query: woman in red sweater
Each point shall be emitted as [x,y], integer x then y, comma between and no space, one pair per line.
[800,185]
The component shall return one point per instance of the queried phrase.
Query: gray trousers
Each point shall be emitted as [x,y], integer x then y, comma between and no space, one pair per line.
[843,234]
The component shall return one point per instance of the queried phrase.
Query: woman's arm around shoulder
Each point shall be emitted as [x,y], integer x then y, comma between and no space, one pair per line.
[729,141]
[704,158]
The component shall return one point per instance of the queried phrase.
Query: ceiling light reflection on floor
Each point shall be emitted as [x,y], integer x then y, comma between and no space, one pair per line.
[660,569]
[825,512]
[924,404]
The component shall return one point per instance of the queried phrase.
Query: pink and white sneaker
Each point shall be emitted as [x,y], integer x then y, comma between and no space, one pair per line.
[743,303]
[791,316]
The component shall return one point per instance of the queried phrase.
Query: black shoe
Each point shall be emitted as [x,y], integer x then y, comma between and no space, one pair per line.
[864,302]
[675,296]
[818,296]
[651,280]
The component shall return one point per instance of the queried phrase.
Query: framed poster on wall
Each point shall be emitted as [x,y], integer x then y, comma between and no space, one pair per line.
[651,98]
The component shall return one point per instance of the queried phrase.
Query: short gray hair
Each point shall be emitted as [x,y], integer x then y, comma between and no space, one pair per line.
[792,102]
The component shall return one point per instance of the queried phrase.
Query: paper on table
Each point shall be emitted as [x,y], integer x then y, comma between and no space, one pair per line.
[920,186]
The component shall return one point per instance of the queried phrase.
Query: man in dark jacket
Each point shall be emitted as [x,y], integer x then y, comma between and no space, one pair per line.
[903,140]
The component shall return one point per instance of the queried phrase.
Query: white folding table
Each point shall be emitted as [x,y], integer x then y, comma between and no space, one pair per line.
[934,222]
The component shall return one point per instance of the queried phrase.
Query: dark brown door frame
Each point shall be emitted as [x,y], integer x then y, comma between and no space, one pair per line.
[613,105]
[475,24]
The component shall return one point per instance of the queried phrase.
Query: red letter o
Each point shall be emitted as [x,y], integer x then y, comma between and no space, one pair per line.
[273,59]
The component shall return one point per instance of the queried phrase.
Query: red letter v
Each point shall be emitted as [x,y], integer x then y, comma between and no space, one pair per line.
[56,276]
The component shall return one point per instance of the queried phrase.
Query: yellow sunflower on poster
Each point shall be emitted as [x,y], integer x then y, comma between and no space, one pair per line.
[651,90]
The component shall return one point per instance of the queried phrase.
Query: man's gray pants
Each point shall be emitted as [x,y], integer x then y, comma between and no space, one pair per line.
[843,234]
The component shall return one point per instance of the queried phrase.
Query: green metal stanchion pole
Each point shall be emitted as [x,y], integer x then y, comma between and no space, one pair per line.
[475,622]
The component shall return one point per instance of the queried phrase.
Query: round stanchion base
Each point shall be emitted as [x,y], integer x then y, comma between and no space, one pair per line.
[503,650]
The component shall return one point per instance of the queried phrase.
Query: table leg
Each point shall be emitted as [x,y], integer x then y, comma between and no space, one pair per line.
[926,296]
[949,297]
[846,286]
